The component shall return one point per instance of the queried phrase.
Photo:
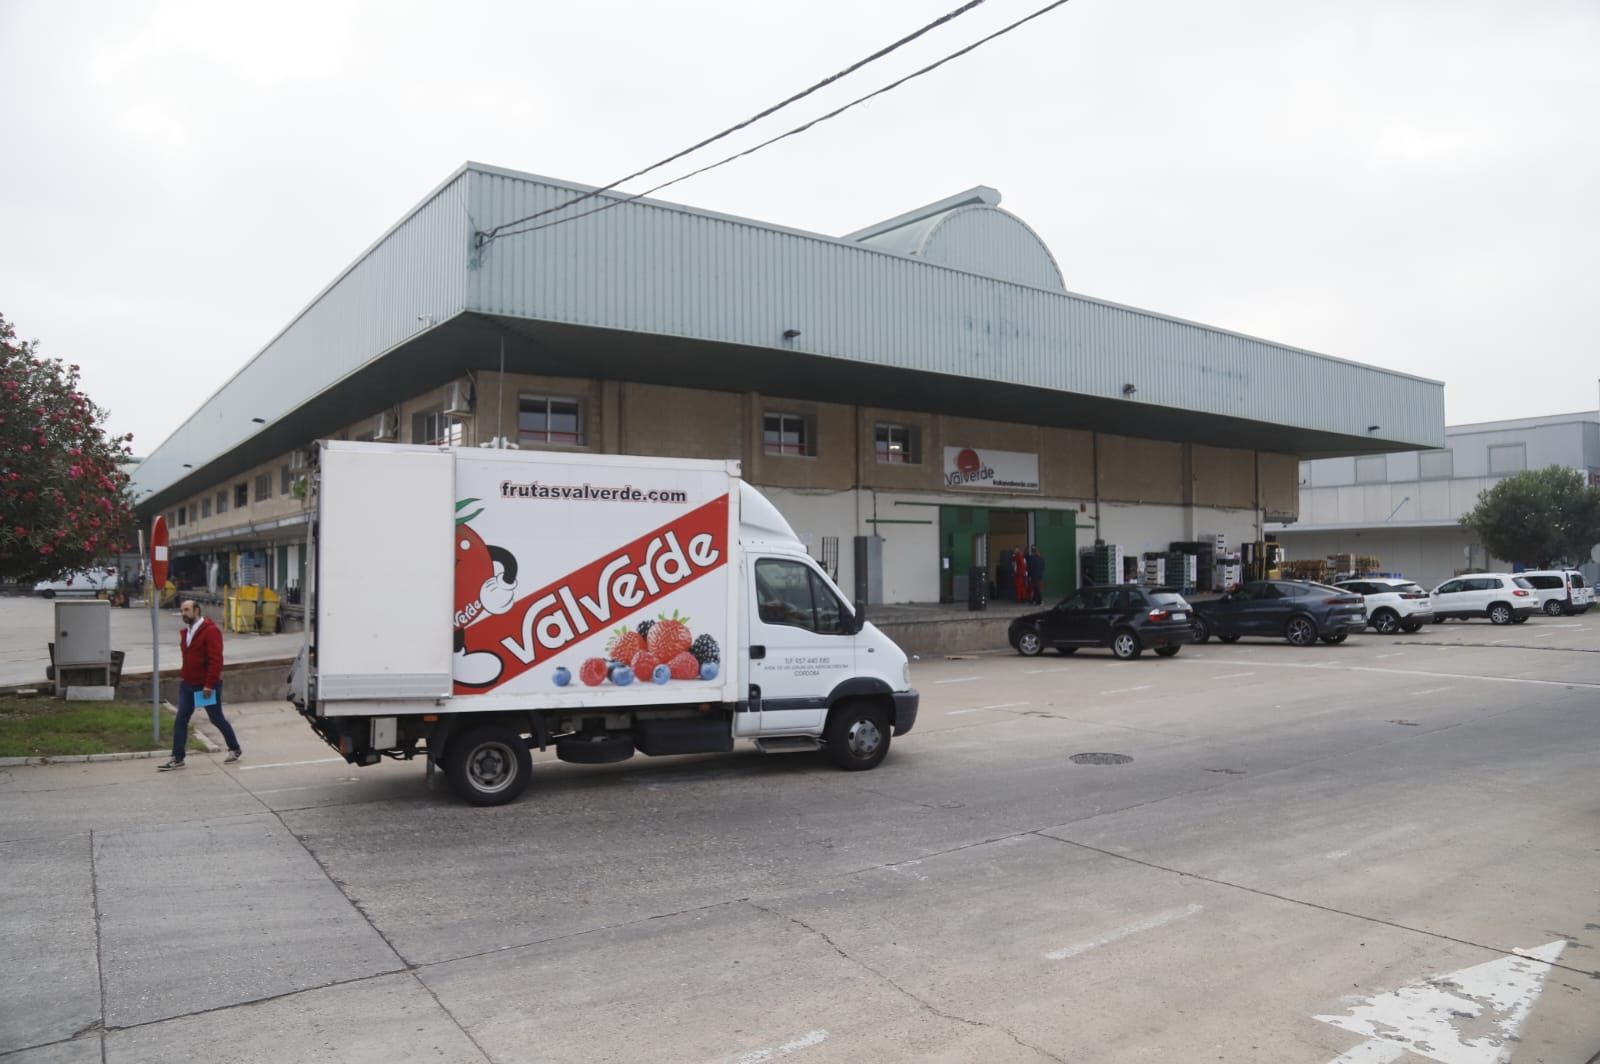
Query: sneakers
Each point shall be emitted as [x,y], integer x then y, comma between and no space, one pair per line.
[233,755]
[169,766]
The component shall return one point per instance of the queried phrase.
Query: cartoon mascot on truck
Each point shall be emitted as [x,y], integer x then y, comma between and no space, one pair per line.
[486,586]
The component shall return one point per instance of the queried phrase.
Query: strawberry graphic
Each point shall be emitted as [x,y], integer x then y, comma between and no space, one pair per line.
[644,665]
[670,636]
[624,644]
[593,672]
[685,666]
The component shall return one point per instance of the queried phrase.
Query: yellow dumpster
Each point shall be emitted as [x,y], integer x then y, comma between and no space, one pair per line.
[267,613]
[242,608]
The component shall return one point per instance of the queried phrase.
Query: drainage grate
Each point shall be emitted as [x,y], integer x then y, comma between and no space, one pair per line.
[1099,759]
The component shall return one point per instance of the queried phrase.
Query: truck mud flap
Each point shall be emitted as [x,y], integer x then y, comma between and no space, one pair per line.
[662,737]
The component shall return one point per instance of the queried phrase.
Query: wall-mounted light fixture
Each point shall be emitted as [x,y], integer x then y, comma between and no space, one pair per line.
[790,334]
[1374,428]
[1128,389]
[259,420]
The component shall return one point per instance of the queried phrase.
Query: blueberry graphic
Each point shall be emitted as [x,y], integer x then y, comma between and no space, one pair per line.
[708,671]
[661,674]
[622,676]
[562,677]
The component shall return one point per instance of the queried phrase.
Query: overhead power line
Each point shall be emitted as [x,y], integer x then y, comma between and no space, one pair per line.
[489,234]
[507,228]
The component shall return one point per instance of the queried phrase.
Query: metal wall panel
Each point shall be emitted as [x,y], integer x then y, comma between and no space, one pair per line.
[417,268]
[657,267]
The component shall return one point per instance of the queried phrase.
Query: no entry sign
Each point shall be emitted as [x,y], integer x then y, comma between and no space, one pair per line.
[158,552]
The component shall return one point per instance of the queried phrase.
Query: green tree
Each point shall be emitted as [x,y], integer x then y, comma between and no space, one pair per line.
[1538,517]
[63,497]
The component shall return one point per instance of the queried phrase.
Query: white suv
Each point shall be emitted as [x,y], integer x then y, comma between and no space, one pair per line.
[1392,604]
[1560,591]
[1501,597]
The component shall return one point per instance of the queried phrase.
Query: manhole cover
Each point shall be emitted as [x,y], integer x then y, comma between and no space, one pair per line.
[1100,759]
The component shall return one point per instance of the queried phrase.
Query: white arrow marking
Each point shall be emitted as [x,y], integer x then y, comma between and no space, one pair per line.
[1429,1018]
[805,1041]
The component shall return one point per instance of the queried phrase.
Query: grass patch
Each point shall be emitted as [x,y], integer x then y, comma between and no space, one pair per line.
[50,727]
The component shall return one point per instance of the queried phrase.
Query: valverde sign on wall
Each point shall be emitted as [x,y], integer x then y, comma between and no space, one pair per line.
[974,467]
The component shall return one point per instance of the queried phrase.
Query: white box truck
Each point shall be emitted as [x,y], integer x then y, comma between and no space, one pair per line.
[467,605]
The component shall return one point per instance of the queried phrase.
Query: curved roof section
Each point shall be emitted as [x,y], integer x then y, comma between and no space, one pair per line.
[969,232]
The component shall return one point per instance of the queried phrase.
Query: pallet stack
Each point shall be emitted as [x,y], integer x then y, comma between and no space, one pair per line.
[1155,570]
[1183,570]
[1103,564]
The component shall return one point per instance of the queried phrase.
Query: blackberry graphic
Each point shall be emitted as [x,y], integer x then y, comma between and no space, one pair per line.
[644,629]
[705,650]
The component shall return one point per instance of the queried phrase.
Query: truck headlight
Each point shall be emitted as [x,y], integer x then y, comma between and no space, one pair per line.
[905,675]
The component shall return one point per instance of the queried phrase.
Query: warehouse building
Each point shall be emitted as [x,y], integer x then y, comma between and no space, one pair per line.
[916,396]
[1405,509]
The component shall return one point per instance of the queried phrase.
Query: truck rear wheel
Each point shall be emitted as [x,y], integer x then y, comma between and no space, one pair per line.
[857,735]
[488,764]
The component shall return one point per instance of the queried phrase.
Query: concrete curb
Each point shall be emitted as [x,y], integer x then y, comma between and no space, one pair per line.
[134,755]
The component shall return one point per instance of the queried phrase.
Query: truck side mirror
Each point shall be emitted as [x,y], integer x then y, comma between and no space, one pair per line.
[861,615]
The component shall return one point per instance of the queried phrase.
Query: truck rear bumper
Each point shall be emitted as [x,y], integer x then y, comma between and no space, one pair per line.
[905,710]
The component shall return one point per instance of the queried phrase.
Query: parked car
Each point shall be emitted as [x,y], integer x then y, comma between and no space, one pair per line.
[1560,591]
[1501,597]
[1127,618]
[1392,605]
[1300,611]
[83,582]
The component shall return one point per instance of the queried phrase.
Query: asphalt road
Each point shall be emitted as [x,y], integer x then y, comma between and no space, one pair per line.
[1383,851]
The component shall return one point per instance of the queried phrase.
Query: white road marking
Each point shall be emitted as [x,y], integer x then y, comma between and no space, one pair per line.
[1148,924]
[960,679]
[1428,1015]
[1058,668]
[1232,675]
[1372,1051]
[1560,625]
[1383,671]
[1336,854]
[1126,690]
[291,764]
[1429,691]
[980,709]
[1396,654]
[805,1041]
[1497,642]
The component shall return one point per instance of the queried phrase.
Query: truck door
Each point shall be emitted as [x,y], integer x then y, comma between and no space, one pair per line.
[801,645]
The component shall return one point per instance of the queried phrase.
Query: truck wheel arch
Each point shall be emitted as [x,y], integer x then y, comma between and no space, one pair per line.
[868,688]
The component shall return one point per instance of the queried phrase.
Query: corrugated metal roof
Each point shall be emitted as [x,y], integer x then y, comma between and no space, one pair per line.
[655,268]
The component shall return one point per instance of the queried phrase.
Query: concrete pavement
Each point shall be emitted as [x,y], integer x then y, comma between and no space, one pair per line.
[1299,833]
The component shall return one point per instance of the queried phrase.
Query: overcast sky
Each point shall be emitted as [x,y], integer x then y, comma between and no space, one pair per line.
[1413,185]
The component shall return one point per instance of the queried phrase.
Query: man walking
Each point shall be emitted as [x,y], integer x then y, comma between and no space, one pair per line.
[1036,574]
[201,643]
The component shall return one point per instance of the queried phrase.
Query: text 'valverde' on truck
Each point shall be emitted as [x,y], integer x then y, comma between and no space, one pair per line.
[602,604]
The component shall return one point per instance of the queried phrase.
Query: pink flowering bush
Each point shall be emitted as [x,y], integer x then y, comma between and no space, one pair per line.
[63,499]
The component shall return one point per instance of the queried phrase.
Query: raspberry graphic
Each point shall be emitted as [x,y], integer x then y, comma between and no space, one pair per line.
[644,664]
[684,667]
[705,650]
[593,672]
[624,644]
[669,637]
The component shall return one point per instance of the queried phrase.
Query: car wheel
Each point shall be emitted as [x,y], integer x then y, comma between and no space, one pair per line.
[1386,622]
[1301,631]
[1202,631]
[1125,645]
[1167,652]
[857,735]
[1553,608]
[488,764]
[1335,640]
[1228,638]
[1029,644]
[1499,613]
[1064,651]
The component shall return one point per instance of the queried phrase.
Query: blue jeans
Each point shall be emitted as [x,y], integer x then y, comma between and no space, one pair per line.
[180,731]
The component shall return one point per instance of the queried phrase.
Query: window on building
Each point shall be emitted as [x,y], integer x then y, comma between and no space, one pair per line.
[435,428]
[222,502]
[1508,458]
[285,480]
[1436,465]
[241,496]
[263,487]
[549,419]
[205,507]
[1374,469]
[897,444]
[181,516]
[787,434]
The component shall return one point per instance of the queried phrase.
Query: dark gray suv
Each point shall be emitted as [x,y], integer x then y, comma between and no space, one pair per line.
[1297,610]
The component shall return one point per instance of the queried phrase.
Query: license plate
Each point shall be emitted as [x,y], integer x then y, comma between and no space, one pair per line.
[1180,616]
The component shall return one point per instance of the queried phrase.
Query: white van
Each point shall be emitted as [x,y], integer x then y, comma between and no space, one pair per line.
[83,582]
[1560,591]
[600,604]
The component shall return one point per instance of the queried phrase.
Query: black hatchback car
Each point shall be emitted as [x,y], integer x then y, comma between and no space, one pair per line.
[1126,617]
[1300,611]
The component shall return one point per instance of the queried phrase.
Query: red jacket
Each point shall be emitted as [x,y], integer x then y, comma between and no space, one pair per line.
[202,660]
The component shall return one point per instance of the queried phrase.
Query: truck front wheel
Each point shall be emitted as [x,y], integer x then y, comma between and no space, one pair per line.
[488,764]
[857,735]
